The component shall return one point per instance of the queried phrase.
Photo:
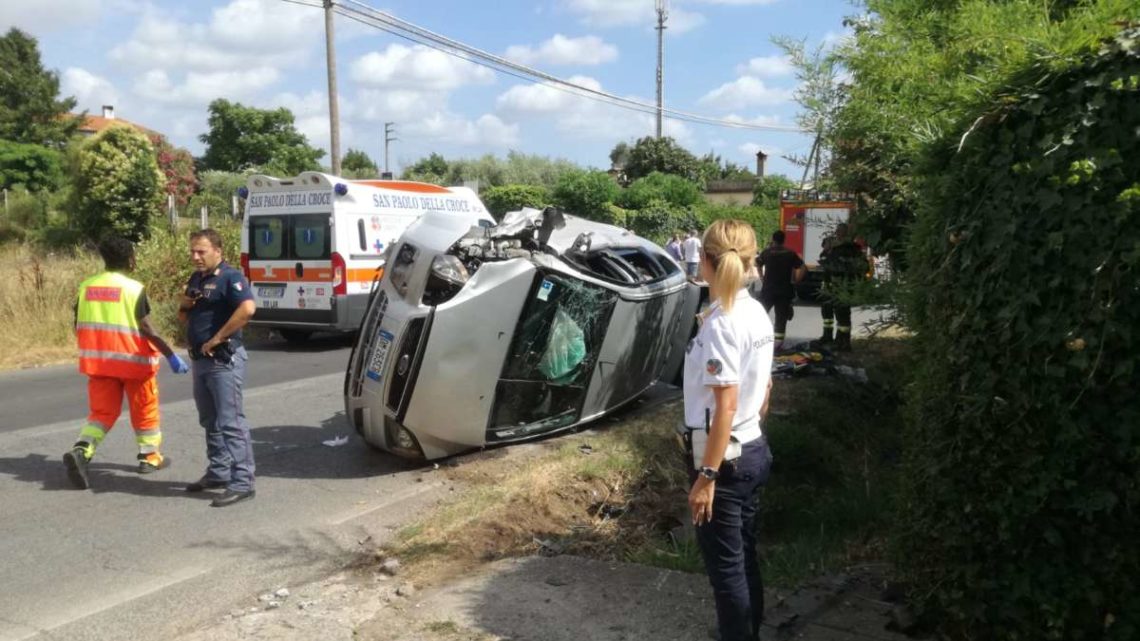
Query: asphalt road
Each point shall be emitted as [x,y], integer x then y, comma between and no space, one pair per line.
[59,393]
[137,557]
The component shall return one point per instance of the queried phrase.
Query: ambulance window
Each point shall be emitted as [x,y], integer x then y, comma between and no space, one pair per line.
[363,236]
[268,234]
[310,236]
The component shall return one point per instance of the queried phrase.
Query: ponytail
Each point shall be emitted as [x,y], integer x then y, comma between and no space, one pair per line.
[730,245]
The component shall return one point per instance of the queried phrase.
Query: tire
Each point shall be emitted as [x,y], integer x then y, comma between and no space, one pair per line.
[295,336]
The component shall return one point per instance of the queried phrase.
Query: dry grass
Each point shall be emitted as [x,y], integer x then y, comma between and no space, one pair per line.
[37,296]
[554,501]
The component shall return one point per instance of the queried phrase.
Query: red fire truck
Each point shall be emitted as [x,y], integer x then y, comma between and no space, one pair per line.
[807,217]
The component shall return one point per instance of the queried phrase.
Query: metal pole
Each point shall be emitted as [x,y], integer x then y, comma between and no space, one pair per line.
[234,207]
[389,130]
[334,109]
[205,218]
[662,15]
[172,211]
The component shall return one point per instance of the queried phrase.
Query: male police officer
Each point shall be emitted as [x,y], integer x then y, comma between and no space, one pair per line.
[216,305]
[117,353]
[843,263]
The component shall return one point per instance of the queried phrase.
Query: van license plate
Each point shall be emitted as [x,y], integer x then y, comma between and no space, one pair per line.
[271,292]
[380,355]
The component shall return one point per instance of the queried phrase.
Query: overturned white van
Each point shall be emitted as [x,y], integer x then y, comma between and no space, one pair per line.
[312,245]
[476,336]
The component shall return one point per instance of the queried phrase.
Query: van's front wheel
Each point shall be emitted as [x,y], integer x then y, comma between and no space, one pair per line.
[295,336]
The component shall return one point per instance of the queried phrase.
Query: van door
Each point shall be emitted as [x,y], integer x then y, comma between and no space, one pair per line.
[291,268]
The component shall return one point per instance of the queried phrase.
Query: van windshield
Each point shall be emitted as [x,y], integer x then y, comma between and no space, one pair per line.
[290,237]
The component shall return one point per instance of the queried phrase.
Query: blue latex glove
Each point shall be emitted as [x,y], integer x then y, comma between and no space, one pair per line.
[177,364]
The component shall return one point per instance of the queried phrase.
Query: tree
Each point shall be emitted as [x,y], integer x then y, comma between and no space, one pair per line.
[820,97]
[670,189]
[432,169]
[918,67]
[587,194]
[711,167]
[118,185]
[651,154]
[359,165]
[766,192]
[35,167]
[31,110]
[503,198]
[177,165]
[242,137]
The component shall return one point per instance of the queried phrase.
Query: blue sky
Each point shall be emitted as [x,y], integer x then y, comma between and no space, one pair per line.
[160,63]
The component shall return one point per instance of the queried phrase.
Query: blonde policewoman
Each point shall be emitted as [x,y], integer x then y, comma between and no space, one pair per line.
[726,383]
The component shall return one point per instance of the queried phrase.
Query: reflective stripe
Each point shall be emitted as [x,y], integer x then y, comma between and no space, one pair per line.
[844,330]
[829,323]
[109,327]
[148,441]
[116,356]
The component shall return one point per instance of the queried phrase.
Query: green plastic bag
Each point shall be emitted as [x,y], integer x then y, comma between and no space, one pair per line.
[565,349]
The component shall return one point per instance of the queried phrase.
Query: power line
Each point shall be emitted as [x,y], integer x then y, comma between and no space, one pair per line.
[419,35]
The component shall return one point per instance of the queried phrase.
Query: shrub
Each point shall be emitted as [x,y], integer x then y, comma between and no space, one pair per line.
[659,219]
[763,221]
[1022,501]
[500,200]
[674,190]
[218,208]
[34,167]
[587,194]
[118,186]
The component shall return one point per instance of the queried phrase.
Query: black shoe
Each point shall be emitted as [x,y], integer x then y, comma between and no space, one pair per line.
[146,467]
[230,497]
[205,483]
[843,342]
[76,462]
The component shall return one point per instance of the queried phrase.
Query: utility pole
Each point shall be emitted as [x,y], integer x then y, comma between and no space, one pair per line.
[334,109]
[389,136]
[662,16]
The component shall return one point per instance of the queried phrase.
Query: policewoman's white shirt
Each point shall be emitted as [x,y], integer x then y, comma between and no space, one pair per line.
[730,349]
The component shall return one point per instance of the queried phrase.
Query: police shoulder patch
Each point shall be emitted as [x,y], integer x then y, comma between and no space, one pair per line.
[714,366]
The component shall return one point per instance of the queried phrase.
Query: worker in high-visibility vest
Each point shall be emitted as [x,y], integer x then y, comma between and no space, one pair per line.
[117,353]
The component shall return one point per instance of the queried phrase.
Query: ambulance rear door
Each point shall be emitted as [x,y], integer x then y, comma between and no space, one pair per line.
[820,222]
[290,263]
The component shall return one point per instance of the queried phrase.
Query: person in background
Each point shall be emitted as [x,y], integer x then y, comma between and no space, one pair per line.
[216,305]
[117,352]
[781,269]
[843,264]
[727,380]
[691,249]
[674,248]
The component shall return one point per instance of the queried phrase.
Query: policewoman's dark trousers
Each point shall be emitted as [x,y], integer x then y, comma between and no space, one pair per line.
[728,544]
[218,395]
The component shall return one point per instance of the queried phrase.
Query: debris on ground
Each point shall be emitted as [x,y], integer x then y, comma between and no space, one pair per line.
[335,442]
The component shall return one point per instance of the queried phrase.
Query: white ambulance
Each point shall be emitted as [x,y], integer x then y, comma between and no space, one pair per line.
[312,245]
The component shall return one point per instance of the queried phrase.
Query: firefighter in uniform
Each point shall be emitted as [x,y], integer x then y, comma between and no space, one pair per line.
[843,263]
[117,353]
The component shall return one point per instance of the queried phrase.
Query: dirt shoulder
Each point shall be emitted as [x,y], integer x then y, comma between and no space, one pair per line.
[585,533]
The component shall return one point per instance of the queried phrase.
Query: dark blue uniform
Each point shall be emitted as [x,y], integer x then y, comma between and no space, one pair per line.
[218,380]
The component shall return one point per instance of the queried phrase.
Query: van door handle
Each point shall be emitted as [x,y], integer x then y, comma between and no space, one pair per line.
[300,270]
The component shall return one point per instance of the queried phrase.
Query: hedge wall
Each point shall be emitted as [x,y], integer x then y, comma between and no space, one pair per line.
[1022,502]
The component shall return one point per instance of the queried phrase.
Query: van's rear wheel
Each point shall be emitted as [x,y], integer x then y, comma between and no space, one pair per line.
[295,336]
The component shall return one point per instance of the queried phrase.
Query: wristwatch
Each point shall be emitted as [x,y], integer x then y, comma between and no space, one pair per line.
[709,473]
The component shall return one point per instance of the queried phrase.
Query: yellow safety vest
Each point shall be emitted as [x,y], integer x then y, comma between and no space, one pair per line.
[110,342]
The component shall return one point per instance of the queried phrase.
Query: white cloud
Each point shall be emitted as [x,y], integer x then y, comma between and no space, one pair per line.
[487,130]
[766,67]
[47,15]
[242,34]
[544,98]
[761,120]
[624,13]
[581,117]
[417,68]
[201,88]
[91,91]
[560,50]
[745,91]
[739,3]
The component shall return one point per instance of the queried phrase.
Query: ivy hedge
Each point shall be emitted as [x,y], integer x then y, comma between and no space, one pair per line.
[1021,510]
